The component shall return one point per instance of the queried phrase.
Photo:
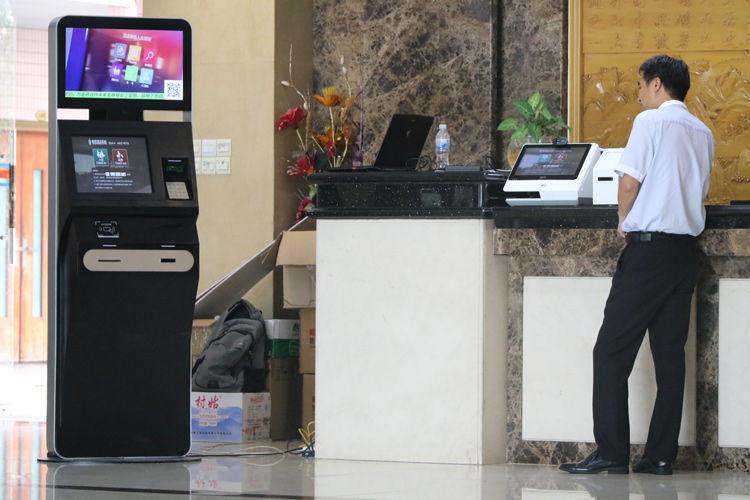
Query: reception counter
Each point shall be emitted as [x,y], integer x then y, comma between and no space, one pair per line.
[459,337]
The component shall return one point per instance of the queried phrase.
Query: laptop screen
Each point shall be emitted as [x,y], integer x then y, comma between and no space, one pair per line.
[548,161]
[403,141]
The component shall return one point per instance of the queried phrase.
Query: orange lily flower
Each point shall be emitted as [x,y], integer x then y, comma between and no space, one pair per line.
[324,138]
[342,137]
[330,98]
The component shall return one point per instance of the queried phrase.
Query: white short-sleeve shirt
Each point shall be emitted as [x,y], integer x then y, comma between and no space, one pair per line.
[670,152]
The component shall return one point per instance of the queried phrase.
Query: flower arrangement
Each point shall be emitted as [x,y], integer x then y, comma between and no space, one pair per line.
[338,144]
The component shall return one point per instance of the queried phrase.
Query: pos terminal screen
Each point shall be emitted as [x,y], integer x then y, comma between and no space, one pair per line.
[113,165]
[547,161]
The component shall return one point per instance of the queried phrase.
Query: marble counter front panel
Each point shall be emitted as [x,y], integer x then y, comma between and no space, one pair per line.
[547,252]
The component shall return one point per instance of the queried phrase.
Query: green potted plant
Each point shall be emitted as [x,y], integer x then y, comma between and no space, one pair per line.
[535,123]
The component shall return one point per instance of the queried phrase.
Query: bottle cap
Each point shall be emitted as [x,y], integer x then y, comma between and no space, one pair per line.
[442,126]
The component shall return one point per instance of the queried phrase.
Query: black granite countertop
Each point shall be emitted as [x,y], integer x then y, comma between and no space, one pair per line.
[585,217]
[604,216]
[400,213]
[367,177]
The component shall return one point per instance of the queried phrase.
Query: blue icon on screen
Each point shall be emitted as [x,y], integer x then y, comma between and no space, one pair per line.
[147,76]
[121,50]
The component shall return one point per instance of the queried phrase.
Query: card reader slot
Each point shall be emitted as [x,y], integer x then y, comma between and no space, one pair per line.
[134,260]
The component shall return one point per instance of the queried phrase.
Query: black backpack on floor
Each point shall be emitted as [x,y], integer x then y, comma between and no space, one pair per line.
[226,363]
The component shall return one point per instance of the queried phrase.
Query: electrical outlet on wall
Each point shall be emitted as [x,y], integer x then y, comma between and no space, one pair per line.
[223,147]
[208,166]
[223,165]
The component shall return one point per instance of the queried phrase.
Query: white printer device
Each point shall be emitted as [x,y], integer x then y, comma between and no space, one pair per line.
[605,178]
[552,174]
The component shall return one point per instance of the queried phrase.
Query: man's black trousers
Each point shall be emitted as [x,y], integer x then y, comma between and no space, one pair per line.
[652,290]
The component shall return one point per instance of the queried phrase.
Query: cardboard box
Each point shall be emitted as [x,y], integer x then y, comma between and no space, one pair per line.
[285,385]
[297,255]
[307,341]
[282,338]
[230,417]
[308,399]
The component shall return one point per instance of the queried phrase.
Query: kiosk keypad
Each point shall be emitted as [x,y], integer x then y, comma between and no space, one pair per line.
[176,178]
[177,191]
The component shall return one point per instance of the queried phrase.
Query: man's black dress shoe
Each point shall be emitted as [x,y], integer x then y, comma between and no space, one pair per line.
[595,464]
[647,466]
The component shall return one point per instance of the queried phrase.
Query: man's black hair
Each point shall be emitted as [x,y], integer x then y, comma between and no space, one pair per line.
[674,75]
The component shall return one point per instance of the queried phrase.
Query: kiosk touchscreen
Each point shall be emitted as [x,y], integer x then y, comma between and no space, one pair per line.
[124,247]
[552,174]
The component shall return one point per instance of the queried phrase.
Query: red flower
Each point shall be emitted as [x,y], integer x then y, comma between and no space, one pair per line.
[306,203]
[304,167]
[291,119]
[330,149]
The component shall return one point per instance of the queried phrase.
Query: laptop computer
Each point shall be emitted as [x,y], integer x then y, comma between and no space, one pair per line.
[403,141]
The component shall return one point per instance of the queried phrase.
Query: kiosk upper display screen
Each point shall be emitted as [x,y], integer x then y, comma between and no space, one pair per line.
[111,165]
[547,161]
[113,63]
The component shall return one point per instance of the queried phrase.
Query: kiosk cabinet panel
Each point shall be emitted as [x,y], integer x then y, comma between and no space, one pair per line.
[126,276]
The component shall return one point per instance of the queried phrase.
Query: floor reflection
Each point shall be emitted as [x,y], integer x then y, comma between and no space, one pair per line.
[95,481]
[21,444]
[293,477]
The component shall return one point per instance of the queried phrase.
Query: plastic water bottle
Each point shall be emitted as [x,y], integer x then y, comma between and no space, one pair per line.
[442,146]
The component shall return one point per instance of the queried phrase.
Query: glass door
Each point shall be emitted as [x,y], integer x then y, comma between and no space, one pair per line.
[23,329]
[8,278]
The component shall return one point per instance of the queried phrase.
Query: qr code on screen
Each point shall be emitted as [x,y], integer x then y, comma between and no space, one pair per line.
[173,89]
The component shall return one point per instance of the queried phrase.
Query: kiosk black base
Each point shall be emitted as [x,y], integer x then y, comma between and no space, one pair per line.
[123,339]
[54,459]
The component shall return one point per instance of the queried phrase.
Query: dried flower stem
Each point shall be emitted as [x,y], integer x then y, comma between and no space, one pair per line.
[291,82]
[333,136]
[303,143]
[346,76]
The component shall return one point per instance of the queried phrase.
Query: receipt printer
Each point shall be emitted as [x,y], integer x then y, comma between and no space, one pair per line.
[605,178]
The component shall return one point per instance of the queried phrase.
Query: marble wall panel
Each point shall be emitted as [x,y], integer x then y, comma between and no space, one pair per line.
[534,56]
[463,62]
[415,56]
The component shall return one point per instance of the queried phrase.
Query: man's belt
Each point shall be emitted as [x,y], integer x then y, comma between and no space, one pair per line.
[643,237]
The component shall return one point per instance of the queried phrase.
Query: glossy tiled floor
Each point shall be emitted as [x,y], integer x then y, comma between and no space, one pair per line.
[22,441]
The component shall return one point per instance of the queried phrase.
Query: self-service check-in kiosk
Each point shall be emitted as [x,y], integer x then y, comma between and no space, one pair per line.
[552,174]
[123,239]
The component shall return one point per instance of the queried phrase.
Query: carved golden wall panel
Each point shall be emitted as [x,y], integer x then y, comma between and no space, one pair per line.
[713,36]
[617,26]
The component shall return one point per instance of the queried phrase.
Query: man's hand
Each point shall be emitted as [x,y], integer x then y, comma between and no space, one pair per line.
[619,229]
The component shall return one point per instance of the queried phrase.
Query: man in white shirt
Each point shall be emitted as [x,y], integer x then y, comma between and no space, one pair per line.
[664,174]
